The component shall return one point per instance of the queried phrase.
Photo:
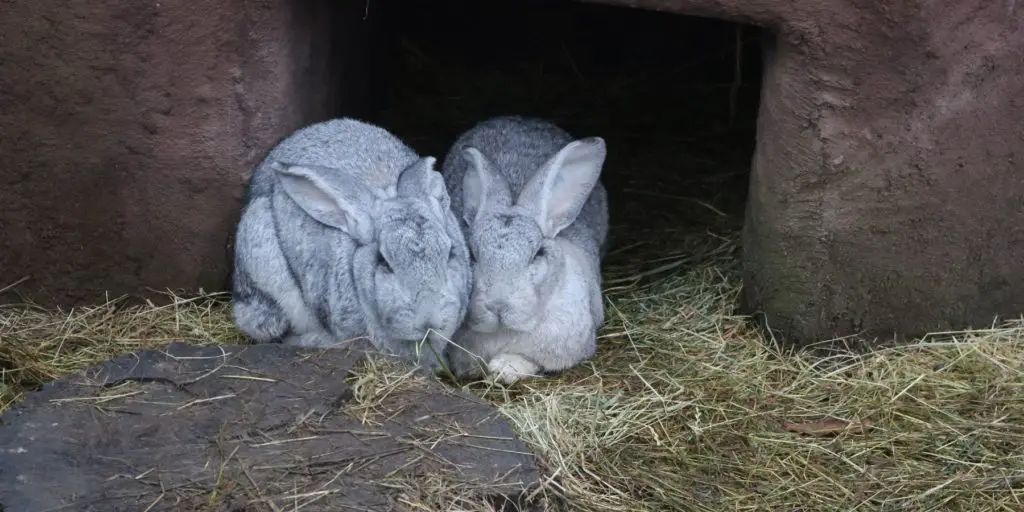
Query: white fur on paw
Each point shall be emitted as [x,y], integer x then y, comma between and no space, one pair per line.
[510,368]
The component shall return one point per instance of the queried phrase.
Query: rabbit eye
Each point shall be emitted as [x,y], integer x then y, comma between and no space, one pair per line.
[383,263]
[540,254]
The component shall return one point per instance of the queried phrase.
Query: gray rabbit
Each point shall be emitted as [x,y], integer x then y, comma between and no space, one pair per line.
[536,221]
[346,232]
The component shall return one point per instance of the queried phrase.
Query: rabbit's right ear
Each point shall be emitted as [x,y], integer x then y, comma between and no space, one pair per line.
[557,193]
[481,185]
[345,206]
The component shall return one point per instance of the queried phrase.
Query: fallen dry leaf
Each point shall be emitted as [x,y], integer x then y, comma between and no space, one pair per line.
[827,427]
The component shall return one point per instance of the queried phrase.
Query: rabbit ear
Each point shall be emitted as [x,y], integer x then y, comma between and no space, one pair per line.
[482,185]
[557,193]
[345,206]
[421,180]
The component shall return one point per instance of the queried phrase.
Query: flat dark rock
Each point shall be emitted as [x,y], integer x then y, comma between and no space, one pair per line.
[248,428]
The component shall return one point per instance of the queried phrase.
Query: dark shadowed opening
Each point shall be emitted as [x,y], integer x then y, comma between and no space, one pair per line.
[675,97]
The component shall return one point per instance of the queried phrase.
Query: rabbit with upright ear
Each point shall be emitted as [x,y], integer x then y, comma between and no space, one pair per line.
[536,221]
[346,232]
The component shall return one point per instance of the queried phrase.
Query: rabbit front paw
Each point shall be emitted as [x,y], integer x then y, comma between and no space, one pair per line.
[312,339]
[510,368]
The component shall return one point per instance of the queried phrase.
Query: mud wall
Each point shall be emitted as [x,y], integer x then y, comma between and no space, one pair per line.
[129,128]
[887,186]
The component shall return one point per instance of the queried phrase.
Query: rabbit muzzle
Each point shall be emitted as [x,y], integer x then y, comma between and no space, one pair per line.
[433,316]
[492,312]
[482,320]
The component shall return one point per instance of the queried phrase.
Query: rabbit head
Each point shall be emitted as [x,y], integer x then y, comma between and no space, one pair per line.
[410,265]
[517,257]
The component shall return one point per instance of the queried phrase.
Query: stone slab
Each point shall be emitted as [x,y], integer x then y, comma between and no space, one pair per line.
[258,427]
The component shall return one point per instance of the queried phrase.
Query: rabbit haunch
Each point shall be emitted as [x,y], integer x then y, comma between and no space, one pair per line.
[536,220]
[346,232]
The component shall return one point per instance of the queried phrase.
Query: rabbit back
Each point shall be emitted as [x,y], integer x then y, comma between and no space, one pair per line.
[279,297]
[316,284]
[368,152]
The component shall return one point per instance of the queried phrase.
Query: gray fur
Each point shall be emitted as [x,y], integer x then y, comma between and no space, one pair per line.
[527,316]
[330,210]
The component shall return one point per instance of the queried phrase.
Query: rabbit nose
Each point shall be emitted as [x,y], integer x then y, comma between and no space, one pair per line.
[430,318]
[497,306]
[427,327]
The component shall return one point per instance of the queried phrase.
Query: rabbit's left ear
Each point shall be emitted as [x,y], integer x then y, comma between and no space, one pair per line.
[557,193]
[482,186]
[342,202]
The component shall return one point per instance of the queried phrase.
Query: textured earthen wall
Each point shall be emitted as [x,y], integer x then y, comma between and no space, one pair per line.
[887,190]
[127,130]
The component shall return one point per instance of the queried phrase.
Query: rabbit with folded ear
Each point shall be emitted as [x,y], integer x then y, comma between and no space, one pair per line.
[536,221]
[346,232]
